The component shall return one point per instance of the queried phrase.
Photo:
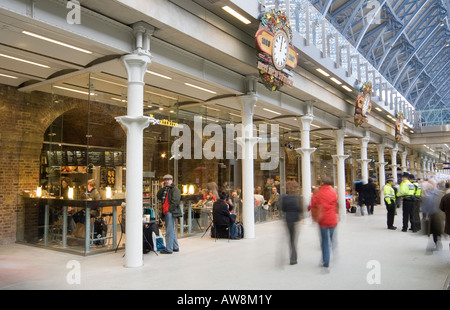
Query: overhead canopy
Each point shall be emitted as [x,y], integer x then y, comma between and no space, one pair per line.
[406,41]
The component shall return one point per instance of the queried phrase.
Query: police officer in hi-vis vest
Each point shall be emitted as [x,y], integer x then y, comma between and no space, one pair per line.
[406,192]
[389,199]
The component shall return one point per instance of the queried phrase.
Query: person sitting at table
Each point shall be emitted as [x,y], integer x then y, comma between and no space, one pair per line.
[91,191]
[65,184]
[222,217]
[208,199]
[209,196]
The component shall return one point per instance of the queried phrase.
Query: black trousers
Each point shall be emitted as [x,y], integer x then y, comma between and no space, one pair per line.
[408,206]
[390,207]
[416,216]
[291,227]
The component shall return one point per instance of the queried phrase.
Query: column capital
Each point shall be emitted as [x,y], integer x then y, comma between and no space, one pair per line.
[248,103]
[305,151]
[140,122]
[340,157]
[364,160]
[136,61]
[243,140]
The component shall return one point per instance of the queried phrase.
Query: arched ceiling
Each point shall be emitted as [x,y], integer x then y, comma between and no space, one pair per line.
[407,41]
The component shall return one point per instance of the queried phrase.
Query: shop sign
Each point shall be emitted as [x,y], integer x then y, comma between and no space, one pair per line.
[276,55]
[399,127]
[163,122]
[363,104]
[440,166]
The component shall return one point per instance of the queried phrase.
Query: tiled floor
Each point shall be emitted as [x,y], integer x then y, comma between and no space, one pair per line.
[368,256]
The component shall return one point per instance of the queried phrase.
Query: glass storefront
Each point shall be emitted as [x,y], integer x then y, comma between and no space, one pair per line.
[85,147]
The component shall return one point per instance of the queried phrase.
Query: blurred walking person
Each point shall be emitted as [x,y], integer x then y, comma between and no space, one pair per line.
[432,217]
[324,209]
[292,210]
[444,206]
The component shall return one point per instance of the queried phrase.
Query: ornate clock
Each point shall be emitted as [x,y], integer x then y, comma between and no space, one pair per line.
[280,49]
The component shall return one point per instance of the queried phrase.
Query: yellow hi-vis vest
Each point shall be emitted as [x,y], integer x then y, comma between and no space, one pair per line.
[389,193]
[418,189]
[406,190]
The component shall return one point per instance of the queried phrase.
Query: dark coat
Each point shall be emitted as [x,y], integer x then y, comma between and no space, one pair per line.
[221,213]
[174,200]
[291,206]
[445,207]
[369,193]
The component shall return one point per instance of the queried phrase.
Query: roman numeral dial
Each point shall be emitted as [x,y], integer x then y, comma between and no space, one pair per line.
[280,49]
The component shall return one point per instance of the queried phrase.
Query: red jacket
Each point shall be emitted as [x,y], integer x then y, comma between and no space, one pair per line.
[326,197]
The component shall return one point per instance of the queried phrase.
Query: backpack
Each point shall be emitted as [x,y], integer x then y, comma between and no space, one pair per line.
[100,229]
[240,230]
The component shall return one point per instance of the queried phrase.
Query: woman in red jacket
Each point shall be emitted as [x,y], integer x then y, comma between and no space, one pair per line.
[324,209]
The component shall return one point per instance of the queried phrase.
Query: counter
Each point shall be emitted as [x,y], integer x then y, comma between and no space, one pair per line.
[40,211]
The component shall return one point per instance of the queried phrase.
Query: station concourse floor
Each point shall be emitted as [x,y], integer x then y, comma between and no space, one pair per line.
[368,256]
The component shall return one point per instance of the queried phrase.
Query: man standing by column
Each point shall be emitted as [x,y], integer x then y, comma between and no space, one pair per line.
[170,197]
[406,192]
[389,199]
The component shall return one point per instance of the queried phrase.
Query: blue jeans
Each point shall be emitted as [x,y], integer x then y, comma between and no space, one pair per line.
[171,235]
[326,242]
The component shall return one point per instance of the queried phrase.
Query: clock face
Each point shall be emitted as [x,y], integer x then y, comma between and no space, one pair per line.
[280,50]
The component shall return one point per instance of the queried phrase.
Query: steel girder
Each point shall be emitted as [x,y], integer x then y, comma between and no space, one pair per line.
[405,40]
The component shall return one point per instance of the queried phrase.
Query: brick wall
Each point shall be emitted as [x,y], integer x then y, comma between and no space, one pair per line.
[24,118]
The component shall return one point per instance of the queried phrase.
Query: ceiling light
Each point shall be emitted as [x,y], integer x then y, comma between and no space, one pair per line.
[106,81]
[347,88]
[56,42]
[201,88]
[160,75]
[74,90]
[322,72]
[336,81]
[25,61]
[236,14]
[378,109]
[278,113]
[9,76]
[160,95]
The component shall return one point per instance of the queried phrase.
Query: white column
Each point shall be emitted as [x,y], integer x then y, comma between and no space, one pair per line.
[136,66]
[381,171]
[394,165]
[305,151]
[412,164]
[247,141]
[404,155]
[364,161]
[340,161]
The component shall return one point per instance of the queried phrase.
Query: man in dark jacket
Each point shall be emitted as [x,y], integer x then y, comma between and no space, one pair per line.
[222,217]
[370,195]
[292,210]
[170,197]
